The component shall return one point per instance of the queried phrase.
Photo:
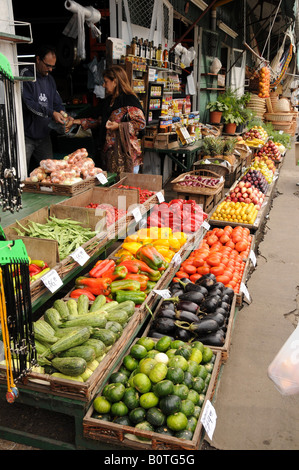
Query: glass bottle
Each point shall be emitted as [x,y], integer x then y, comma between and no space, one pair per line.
[159,55]
[165,57]
[134,46]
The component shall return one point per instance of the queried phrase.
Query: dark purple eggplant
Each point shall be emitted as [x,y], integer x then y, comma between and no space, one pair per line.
[215,291]
[220,319]
[219,285]
[213,339]
[226,298]
[207,280]
[192,296]
[166,313]
[210,304]
[229,291]
[155,334]
[225,306]
[183,315]
[223,312]
[167,304]
[164,325]
[183,335]
[199,329]
[187,305]
[189,287]
[184,280]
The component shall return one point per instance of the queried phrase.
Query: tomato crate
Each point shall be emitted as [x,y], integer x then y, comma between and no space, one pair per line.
[125,436]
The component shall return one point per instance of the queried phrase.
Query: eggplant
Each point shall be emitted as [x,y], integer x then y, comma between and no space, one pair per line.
[226,298]
[225,306]
[164,325]
[229,291]
[192,296]
[207,280]
[167,304]
[184,280]
[183,335]
[178,293]
[219,285]
[223,312]
[215,291]
[210,304]
[167,313]
[185,315]
[187,305]
[155,334]
[213,339]
[200,329]
[220,319]
[191,286]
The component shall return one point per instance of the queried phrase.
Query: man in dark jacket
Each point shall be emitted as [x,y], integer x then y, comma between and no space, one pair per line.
[41,105]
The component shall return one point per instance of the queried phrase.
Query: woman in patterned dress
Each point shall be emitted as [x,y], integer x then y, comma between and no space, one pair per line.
[121,119]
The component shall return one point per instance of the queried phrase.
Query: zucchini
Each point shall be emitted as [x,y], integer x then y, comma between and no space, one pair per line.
[52,317]
[62,309]
[114,326]
[40,347]
[107,336]
[72,307]
[44,332]
[128,306]
[94,320]
[120,316]
[71,366]
[109,306]
[98,346]
[93,365]
[98,303]
[74,339]
[66,331]
[86,374]
[68,377]
[84,351]
[83,304]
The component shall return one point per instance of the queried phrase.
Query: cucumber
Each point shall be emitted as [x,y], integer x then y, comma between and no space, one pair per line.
[68,377]
[70,366]
[98,303]
[98,346]
[44,332]
[86,352]
[72,307]
[120,316]
[74,339]
[107,336]
[95,320]
[52,317]
[62,309]
[83,304]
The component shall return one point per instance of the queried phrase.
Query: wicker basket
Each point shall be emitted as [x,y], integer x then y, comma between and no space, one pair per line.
[279,117]
[176,186]
[282,105]
[219,168]
[211,130]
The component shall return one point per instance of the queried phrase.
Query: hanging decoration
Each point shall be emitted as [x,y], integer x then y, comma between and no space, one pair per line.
[10,183]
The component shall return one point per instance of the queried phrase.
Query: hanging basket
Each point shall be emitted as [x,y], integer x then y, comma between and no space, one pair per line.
[205,190]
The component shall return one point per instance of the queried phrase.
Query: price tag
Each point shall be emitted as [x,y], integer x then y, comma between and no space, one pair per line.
[52,280]
[80,256]
[177,260]
[245,291]
[164,293]
[205,225]
[102,178]
[160,197]
[209,418]
[252,257]
[137,214]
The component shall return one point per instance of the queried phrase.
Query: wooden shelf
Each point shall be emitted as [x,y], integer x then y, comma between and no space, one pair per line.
[216,89]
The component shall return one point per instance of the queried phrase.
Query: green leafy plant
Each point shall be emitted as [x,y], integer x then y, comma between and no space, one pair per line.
[212,146]
[216,106]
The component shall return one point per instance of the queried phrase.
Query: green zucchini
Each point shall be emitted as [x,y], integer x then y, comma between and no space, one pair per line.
[72,307]
[107,336]
[62,308]
[72,366]
[114,326]
[83,304]
[86,374]
[109,306]
[98,320]
[128,306]
[61,332]
[120,316]
[98,346]
[52,317]
[40,347]
[74,339]
[44,332]
[86,352]
[98,303]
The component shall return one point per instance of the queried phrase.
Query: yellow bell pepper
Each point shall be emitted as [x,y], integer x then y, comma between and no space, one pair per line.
[180,236]
[145,241]
[174,244]
[161,242]
[165,232]
[132,247]
[122,252]
[131,238]
[153,233]
[142,234]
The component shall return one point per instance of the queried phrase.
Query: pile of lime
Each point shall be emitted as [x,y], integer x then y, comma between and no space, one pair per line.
[159,387]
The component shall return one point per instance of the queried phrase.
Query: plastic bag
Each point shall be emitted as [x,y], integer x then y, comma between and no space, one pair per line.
[284,369]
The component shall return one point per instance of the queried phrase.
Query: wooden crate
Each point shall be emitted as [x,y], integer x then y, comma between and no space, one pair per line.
[166,141]
[208,202]
[60,189]
[123,436]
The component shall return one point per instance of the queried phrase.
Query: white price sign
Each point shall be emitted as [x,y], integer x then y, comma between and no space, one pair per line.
[245,291]
[52,280]
[80,256]
[137,214]
[102,178]
[160,197]
[252,257]
[209,418]
[177,259]
[164,293]
[205,225]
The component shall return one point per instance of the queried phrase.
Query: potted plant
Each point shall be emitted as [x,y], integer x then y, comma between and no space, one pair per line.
[231,120]
[216,109]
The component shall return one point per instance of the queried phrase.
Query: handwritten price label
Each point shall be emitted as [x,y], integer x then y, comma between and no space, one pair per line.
[164,293]
[137,214]
[52,280]
[209,418]
[102,178]
[80,256]
[160,197]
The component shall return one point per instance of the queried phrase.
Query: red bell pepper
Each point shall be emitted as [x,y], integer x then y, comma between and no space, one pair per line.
[75,294]
[152,274]
[131,265]
[141,278]
[97,286]
[101,267]
[118,272]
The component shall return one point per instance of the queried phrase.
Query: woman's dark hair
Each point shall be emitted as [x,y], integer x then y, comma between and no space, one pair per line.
[118,73]
[44,49]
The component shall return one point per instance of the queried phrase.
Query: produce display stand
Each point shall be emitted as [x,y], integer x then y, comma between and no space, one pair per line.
[116,434]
